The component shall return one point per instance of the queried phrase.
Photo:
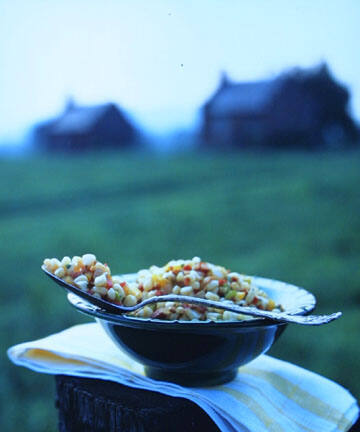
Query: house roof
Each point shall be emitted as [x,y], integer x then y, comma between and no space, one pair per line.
[247,97]
[77,119]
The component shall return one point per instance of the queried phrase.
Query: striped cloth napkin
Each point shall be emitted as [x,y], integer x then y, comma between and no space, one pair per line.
[267,395]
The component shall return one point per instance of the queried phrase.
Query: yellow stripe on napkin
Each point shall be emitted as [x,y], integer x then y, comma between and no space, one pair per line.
[44,355]
[270,423]
[278,408]
[301,397]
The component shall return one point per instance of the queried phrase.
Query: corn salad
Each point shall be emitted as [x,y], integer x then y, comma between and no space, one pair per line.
[185,277]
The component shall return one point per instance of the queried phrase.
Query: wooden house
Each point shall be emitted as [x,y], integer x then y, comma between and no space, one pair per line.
[81,128]
[300,108]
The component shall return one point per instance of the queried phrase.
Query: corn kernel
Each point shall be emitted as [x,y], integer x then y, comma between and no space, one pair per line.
[213,316]
[130,300]
[239,296]
[100,280]
[75,260]
[55,263]
[111,294]
[186,290]
[271,304]
[212,285]
[100,290]
[68,279]
[147,311]
[176,289]
[133,290]
[212,296]
[66,261]
[81,278]
[118,288]
[192,314]
[147,284]
[60,272]
[227,315]
[82,285]
[180,277]
[88,259]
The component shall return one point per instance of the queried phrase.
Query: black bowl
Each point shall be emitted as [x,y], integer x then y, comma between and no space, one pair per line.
[195,353]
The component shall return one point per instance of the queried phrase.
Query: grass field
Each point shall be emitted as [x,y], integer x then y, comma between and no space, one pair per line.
[293,217]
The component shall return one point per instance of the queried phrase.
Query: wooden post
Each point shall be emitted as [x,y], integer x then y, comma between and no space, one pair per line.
[94,405]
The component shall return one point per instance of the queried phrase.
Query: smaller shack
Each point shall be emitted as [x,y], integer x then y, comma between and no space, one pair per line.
[81,128]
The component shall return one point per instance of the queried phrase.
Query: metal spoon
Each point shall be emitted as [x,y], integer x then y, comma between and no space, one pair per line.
[245,310]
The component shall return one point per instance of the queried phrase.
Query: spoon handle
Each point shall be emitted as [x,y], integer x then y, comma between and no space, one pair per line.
[245,310]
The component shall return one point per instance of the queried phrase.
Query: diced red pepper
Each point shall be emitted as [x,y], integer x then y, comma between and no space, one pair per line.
[187,267]
[109,283]
[123,284]
[222,282]
[159,313]
[255,300]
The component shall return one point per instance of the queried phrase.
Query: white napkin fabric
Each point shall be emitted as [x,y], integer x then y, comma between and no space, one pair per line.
[267,395]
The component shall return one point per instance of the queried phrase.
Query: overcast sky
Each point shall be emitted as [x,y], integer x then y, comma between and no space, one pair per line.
[161,59]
